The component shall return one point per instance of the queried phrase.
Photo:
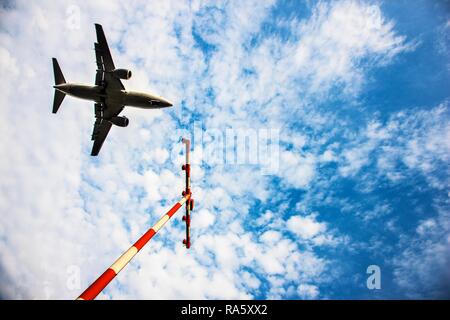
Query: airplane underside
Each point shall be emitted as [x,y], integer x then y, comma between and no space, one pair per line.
[108,93]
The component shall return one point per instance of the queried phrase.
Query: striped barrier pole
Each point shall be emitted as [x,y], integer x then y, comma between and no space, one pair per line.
[98,285]
[187,192]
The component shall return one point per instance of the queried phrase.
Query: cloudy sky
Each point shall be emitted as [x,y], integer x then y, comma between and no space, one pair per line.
[354,95]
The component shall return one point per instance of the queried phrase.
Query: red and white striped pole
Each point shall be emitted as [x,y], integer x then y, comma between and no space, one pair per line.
[98,285]
[187,192]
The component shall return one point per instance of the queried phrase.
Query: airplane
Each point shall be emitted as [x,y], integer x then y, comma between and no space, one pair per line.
[108,93]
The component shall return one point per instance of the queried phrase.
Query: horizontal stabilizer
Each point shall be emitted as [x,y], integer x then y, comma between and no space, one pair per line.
[59,79]
[57,100]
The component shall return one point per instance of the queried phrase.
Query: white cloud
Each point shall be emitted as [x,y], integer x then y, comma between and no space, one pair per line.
[308,291]
[421,270]
[328,156]
[158,155]
[204,219]
[427,226]
[355,159]
[417,139]
[250,280]
[297,170]
[305,227]
[379,211]
[338,37]
[270,236]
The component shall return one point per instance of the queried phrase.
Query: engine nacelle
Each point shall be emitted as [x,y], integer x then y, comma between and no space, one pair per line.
[122,73]
[119,121]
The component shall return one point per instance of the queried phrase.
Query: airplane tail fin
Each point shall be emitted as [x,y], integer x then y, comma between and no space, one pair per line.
[59,79]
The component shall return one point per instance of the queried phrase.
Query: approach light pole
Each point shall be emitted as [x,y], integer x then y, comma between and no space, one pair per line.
[98,285]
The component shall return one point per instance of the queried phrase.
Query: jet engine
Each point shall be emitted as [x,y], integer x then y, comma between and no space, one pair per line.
[119,121]
[122,73]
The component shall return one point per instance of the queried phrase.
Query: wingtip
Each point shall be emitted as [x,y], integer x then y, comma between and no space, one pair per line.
[94,152]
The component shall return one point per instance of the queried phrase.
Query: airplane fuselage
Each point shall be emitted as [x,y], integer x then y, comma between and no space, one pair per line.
[121,97]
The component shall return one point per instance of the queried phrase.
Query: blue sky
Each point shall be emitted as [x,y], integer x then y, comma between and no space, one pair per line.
[357,93]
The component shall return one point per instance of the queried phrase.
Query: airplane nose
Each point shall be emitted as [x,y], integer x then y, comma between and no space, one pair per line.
[160,102]
[165,103]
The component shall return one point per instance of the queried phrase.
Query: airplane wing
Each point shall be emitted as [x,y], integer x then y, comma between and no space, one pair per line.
[101,125]
[105,62]
[101,130]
